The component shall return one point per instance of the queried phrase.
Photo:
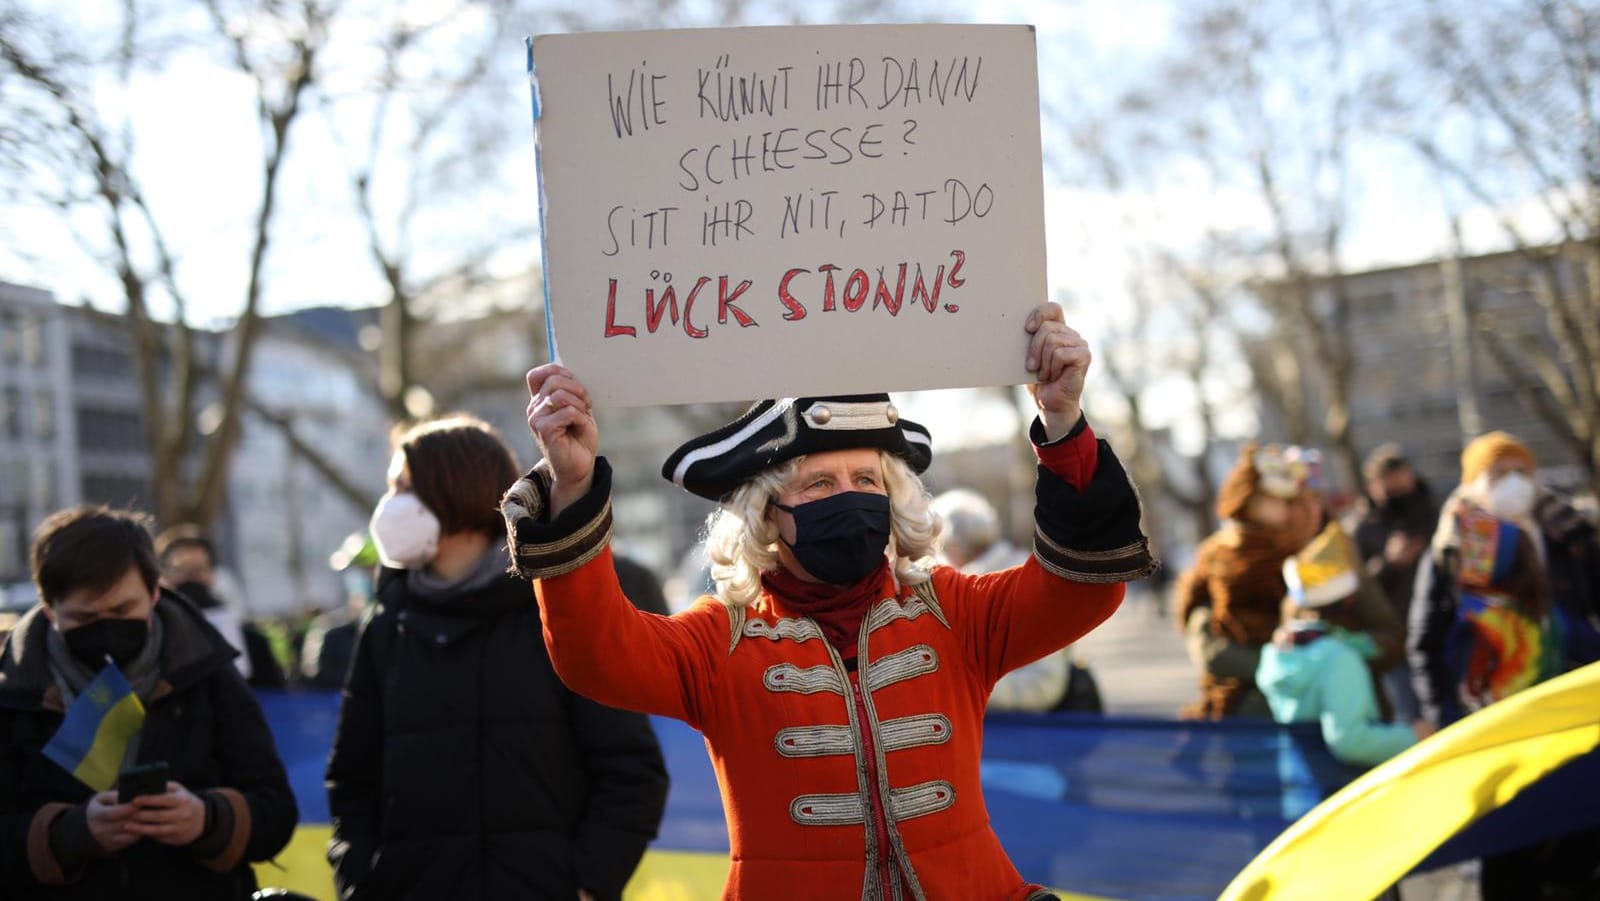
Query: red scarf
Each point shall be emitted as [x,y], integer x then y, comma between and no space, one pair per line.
[838,611]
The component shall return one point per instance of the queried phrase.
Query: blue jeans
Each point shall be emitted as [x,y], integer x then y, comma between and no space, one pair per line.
[1397,683]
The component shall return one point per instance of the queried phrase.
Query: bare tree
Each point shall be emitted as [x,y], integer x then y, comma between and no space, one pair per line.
[89,163]
[424,132]
[1174,329]
[1508,112]
[1263,101]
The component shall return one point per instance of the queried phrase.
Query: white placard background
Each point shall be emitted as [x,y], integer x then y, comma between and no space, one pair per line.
[635,128]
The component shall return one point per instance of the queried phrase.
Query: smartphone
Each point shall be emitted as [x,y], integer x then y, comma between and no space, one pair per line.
[144,779]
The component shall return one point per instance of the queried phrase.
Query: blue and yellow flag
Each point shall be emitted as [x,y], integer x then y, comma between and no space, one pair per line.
[1374,830]
[94,737]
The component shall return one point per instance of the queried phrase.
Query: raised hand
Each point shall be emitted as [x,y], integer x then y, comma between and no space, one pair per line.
[1059,358]
[562,421]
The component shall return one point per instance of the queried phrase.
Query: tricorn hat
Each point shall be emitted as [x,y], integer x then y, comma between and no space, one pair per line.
[715,464]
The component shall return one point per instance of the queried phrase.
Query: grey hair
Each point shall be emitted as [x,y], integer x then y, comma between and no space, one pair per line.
[971,522]
[742,542]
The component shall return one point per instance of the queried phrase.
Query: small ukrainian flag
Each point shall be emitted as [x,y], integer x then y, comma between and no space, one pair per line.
[94,736]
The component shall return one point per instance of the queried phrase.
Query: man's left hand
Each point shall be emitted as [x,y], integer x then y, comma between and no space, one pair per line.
[1059,358]
[176,818]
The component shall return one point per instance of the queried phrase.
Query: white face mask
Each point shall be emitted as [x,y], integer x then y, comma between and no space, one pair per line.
[1512,496]
[404,531]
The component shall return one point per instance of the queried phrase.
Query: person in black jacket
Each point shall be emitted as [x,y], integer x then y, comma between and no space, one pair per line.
[228,800]
[1392,536]
[462,768]
[189,567]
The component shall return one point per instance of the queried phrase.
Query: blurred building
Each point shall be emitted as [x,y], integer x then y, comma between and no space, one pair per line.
[38,444]
[1405,366]
[479,342]
[307,377]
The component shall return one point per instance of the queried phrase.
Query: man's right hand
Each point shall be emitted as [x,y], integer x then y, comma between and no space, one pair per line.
[562,422]
[108,822]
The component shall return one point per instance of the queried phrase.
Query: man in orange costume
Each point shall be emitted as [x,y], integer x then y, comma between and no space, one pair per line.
[838,676]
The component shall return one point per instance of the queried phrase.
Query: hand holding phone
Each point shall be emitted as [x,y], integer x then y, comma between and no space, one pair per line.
[109,822]
[145,779]
[176,817]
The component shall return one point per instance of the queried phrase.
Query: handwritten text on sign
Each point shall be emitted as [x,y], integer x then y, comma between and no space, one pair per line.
[756,212]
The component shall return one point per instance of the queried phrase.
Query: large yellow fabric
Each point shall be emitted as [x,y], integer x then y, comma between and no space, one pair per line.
[662,875]
[1374,830]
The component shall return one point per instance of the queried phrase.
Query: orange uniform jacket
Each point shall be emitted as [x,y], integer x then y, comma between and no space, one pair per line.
[839,784]
[784,727]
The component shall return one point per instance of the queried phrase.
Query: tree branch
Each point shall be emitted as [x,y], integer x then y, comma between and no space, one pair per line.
[342,484]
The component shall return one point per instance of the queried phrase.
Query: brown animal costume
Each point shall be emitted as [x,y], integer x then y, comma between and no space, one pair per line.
[1228,600]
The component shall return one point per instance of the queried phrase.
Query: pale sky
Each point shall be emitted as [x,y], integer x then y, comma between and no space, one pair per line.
[199,159]
[204,182]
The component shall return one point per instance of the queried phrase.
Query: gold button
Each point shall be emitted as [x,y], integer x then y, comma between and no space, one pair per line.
[819,414]
[891,414]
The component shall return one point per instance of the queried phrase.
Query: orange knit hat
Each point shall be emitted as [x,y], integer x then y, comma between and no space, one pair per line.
[1486,450]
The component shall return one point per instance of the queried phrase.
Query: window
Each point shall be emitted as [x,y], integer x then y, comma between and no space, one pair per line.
[44,484]
[11,413]
[31,335]
[10,342]
[44,415]
[110,430]
[13,481]
[116,491]
[101,362]
[13,546]
[1378,304]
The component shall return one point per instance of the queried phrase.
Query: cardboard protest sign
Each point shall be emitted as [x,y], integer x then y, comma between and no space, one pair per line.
[756,212]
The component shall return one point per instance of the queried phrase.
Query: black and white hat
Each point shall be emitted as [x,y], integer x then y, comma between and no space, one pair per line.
[715,464]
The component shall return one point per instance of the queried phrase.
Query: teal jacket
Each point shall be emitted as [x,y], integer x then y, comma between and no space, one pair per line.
[1322,678]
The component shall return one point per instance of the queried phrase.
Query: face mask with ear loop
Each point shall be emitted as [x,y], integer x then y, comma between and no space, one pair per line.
[405,532]
[1512,496]
[121,640]
[840,539]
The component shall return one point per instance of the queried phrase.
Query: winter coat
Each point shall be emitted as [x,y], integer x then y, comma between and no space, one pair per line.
[1325,680]
[463,769]
[202,720]
[1572,569]
[1414,515]
[1472,645]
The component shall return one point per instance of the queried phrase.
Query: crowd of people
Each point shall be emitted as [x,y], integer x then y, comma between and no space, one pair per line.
[1400,621]
[497,661]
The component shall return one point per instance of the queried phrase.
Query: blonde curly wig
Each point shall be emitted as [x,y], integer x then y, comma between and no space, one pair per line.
[742,543]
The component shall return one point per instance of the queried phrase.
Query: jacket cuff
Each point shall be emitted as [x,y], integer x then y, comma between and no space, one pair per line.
[1074,456]
[542,548]
[43,857]
[233,838]
[72,843]
[218,829]
[1091,534]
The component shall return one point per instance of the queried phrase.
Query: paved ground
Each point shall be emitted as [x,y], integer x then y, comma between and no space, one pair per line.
[1138,660]
[1140,664]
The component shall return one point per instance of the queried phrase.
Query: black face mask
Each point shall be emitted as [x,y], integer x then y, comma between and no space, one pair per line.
[1397,504]
[198,593]
[120,639]
[841,539]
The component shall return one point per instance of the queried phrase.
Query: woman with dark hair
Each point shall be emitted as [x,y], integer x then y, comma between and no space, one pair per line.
[462,767]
